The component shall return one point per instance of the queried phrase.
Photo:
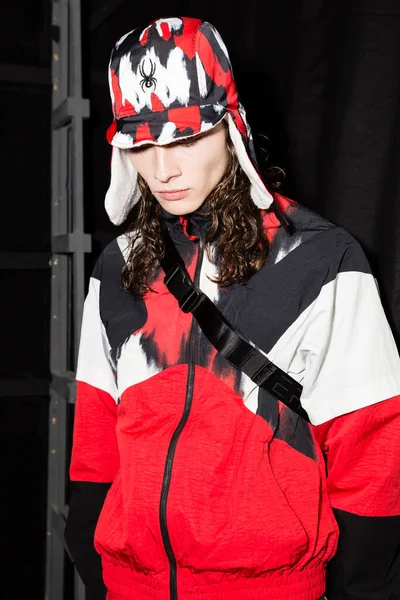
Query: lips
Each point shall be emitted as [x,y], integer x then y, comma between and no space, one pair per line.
[174,195]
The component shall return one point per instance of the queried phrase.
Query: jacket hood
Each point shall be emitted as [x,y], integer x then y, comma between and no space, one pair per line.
[170,81]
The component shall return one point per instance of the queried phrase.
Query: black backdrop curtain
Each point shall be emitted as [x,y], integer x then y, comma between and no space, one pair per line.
[320,79]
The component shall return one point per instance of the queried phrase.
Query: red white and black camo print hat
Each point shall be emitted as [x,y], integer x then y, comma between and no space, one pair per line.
[170,81]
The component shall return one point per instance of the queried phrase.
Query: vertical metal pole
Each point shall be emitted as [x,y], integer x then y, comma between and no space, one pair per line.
[58,338]
[69,243]
[77,149]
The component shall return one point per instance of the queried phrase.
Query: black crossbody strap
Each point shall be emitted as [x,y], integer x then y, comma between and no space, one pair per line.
[241,353]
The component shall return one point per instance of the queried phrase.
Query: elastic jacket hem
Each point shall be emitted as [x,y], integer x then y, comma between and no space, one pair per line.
[125,584]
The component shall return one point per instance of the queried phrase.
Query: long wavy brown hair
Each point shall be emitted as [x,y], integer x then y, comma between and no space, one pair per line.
[236,233]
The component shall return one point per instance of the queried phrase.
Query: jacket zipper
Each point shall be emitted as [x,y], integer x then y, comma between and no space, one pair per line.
[174,440]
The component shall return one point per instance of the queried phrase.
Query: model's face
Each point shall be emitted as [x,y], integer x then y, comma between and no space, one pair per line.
[182,174]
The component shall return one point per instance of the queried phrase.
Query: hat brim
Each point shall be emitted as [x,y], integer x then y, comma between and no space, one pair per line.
[164,127]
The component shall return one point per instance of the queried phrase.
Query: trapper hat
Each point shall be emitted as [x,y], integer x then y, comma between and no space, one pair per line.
[169,81]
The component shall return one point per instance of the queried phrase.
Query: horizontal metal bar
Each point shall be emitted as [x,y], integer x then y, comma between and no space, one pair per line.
[70,242]
[64,386]
[69,108]
[19,388]
[40,75]
[24,260]
[25,74]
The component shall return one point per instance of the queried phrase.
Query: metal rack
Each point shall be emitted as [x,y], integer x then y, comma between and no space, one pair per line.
[69,245]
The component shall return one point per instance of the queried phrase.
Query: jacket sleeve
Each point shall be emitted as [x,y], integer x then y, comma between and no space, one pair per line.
[363,462]
[94,458]
[351,392]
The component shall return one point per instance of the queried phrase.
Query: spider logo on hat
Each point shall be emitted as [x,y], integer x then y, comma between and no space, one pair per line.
[148,80]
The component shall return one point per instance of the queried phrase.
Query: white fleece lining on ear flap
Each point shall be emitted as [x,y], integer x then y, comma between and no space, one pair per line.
[259,193]
[123,192]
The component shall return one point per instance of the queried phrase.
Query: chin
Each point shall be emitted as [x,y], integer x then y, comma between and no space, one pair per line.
[180,207]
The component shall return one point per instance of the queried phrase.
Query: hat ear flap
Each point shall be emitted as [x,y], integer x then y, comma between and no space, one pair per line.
[123,192]
[259,193]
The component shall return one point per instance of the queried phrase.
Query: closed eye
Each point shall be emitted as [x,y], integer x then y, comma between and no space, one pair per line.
[138,149]
[186,143]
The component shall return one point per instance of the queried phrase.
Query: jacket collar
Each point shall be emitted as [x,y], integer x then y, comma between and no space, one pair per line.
[187,227]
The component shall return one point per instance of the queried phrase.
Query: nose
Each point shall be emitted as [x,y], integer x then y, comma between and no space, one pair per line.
[166,166]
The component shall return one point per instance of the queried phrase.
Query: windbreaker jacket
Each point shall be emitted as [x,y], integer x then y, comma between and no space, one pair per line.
[189,481]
